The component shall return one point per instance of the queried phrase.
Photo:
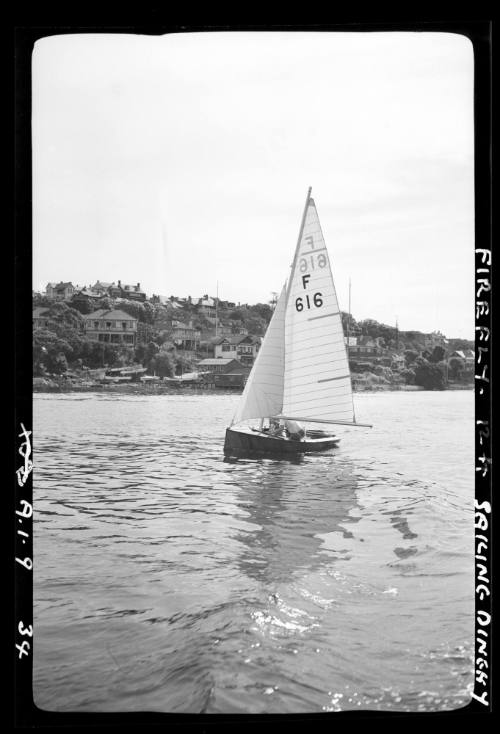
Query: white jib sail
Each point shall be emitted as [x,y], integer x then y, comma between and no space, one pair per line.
[317,377]
[263,393]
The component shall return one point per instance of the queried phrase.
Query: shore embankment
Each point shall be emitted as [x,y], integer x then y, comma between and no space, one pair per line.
[61,385]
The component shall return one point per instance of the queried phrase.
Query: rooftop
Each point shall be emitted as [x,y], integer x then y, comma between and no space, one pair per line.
[88,292]
[61,284]
[204,301]
[465,353]
[103,313]
[210,362]
[236,339]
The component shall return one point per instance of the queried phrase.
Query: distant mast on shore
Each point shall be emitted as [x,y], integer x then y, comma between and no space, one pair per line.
[349,316]
[217,311]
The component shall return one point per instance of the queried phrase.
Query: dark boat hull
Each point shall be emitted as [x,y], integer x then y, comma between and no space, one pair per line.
[247,440]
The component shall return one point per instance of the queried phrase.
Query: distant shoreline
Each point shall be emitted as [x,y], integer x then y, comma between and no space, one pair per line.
[170,389]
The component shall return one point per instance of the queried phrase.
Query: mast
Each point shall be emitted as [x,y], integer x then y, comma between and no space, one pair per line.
[297,248]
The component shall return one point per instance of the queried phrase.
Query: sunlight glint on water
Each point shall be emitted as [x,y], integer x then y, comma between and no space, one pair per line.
[169,579]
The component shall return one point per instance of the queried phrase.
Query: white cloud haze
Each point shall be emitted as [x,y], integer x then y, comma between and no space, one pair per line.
[184,160]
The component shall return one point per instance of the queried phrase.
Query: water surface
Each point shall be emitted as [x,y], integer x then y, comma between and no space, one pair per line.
[170,579]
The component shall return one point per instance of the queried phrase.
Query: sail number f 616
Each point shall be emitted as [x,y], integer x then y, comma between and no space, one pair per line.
[316,299]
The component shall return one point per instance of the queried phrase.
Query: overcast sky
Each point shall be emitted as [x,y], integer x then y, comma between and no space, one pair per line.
[184,160]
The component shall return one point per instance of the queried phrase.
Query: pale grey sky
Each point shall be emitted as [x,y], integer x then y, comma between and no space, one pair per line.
[183,160]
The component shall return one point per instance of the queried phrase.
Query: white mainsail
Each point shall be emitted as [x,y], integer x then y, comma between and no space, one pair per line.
[317,382]
[302,369]
[263,393]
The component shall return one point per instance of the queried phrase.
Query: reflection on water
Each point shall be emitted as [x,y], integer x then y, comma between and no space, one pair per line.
[170,578]
[292,509]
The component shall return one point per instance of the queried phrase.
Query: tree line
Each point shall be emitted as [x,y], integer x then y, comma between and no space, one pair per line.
[62,344]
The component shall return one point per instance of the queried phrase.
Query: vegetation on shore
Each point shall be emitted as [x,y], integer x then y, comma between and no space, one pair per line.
[61,345]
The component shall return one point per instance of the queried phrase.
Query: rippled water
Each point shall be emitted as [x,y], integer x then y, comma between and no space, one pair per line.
[169,579]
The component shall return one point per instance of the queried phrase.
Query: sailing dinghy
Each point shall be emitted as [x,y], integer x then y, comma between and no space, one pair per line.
[301,372]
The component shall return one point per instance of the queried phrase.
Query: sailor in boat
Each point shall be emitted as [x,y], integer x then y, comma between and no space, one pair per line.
[287,429]
[276,428]
[294,430]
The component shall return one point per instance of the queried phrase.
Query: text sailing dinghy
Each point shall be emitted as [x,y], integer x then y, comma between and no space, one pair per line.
[301,373]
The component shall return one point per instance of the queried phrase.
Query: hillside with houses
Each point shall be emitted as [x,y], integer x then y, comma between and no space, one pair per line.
[113,332]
